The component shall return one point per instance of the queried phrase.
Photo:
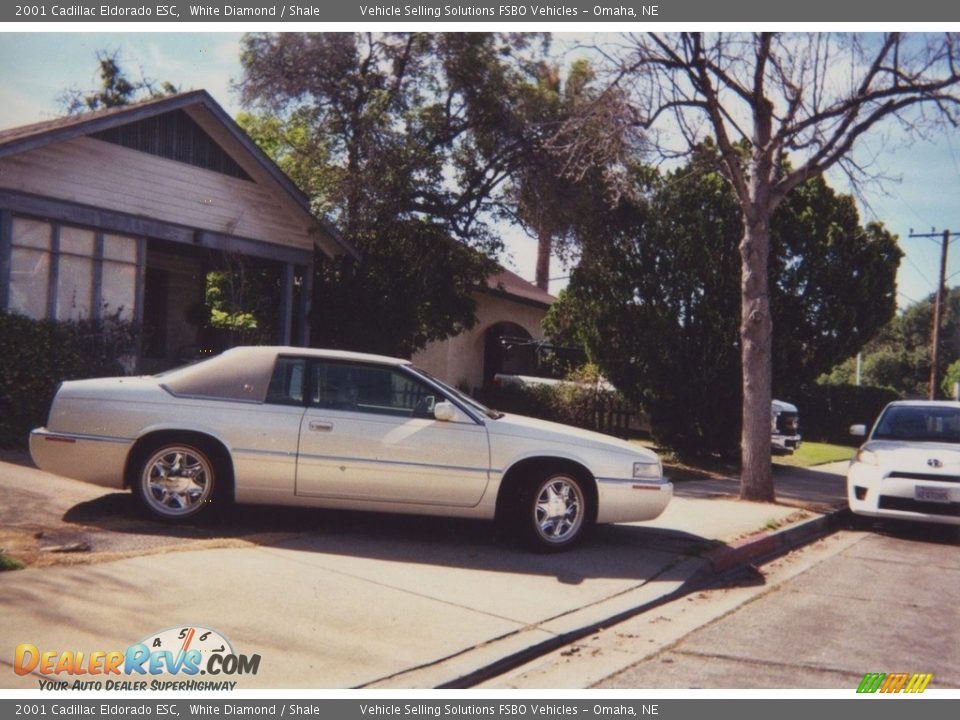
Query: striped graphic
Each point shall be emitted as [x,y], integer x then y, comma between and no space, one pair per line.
[894,682]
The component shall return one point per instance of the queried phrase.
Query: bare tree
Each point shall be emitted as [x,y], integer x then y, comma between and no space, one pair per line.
[761,98]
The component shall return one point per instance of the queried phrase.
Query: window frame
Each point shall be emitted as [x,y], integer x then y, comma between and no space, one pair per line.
[55,253]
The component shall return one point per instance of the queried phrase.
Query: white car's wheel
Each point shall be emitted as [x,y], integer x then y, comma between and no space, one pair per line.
[555,512]
[176,481]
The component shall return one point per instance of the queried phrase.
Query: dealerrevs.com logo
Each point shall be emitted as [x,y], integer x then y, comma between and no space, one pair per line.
[184,653]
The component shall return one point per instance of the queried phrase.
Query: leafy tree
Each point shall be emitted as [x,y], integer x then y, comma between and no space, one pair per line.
[656,294]
[951,377]
[240,302]
[833,283]
[899,356]
[405,140]
[813,96]
[545,193]
[116,88]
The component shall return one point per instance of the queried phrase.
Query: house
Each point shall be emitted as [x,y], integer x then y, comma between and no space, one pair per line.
[124,211]
[510,313]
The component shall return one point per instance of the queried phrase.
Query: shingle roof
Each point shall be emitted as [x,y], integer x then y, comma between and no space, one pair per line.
[510,284]
[47,131]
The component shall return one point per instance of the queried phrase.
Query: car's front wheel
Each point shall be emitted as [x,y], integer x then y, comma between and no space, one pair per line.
[176,481]
[555,512]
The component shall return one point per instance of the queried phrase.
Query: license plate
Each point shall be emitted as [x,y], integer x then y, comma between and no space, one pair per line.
[932,494]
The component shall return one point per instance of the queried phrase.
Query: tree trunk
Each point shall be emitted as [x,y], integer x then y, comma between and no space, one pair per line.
[756,331]
[544,246]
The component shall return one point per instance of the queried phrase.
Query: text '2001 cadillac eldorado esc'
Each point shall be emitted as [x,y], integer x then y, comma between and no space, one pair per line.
[295,426]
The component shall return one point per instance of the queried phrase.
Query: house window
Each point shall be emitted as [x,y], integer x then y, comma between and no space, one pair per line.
[74,298]
[118,291]
[65,272]
[30,267]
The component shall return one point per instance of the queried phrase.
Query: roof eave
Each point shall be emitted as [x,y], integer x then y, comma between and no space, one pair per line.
[507,295]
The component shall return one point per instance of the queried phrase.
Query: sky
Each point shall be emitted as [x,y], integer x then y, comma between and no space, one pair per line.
[922,195]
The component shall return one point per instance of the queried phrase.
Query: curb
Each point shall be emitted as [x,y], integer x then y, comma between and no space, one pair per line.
[766,545]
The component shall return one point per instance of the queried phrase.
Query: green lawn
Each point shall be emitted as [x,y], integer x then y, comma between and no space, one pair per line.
[809,454]
[815,453]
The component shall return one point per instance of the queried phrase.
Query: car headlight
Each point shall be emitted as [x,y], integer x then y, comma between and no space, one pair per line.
[867,457]
[647,470]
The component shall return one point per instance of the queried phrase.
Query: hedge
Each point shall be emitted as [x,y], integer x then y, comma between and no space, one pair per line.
[828,411]
[36,355]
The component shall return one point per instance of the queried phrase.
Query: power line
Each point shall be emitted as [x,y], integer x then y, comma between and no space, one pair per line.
[907,297]
[917,268]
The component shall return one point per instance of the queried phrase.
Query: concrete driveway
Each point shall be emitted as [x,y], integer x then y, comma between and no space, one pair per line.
[335,600]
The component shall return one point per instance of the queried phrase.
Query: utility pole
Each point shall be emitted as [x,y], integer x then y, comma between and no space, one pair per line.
[937,308]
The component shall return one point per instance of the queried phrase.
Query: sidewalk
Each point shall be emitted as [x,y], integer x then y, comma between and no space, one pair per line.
[820,488]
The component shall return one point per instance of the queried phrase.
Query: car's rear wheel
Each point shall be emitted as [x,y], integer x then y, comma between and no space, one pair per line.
[176,481]
[554,513]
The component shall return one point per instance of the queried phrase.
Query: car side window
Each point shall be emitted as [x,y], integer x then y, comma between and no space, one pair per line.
[332,386]
[286,383]
[370,389]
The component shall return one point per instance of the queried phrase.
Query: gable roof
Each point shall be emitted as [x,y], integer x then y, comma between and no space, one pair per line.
[28,137]
[510,285]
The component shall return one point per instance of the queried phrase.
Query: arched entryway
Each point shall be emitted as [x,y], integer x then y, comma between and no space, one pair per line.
[508,348]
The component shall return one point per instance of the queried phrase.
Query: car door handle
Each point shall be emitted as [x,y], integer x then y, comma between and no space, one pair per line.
[320,426]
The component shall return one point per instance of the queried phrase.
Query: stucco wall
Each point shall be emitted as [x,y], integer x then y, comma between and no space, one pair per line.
[459,360]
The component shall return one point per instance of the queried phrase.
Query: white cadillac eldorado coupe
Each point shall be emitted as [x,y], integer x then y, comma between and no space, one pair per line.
[295,426]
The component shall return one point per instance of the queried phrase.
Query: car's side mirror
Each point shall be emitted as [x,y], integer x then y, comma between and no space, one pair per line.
[858,430]
[446,411]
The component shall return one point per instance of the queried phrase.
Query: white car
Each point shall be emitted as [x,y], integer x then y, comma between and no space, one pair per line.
[293,426]
[909,468]
[784,428]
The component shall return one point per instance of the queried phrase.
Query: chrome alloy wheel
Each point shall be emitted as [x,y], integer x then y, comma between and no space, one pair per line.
[558,510]
[176,481]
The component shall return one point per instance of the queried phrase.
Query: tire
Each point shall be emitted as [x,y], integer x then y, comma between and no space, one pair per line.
[554,512]
[176,481]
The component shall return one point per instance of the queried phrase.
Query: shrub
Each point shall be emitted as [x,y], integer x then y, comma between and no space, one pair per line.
[828,411]
[36,355]
[582,401]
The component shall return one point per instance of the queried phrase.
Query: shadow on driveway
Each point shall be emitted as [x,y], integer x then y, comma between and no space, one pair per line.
[609,551]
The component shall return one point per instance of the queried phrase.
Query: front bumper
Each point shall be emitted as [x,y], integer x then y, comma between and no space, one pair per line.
[872,494]
[785,443]
[96,459]
[631,500]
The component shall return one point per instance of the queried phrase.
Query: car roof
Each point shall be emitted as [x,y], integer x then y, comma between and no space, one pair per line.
[243,373]
[275,350]
[925,403]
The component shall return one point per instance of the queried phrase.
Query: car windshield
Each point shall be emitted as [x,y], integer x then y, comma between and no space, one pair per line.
[461,396]
[920,423]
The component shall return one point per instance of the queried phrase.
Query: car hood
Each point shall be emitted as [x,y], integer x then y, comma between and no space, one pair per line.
[543,430]
[915,456]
